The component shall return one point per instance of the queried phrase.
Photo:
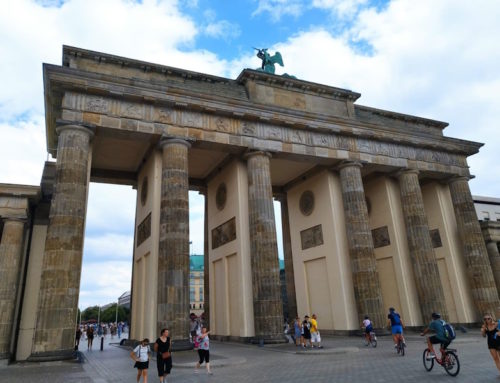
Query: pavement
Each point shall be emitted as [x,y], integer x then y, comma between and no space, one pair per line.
[343,359]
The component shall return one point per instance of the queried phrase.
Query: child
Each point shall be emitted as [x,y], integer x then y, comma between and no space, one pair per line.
[141,355]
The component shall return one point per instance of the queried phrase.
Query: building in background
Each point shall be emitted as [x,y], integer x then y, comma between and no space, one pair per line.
[487,208]
[196,269]
[124,300]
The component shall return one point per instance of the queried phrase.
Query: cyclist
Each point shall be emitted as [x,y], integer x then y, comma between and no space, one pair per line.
[436,325]
[394,320]
[367,324]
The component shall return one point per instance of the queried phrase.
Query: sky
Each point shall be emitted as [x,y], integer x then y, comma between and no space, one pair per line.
[437,59]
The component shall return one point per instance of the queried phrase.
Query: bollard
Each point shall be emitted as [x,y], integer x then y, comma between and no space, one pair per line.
[102,343]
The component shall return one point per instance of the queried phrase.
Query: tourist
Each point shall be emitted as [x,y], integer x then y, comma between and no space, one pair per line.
[90,337]
[163,349]
[297,328]
[78,335]
[489,329]
[120,327]
[396,324]
[315,336]
[306,326]
[193,326]
[204,350]
[141,355]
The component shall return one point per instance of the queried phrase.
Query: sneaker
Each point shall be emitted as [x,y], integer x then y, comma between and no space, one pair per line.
[430,356]
[209,372]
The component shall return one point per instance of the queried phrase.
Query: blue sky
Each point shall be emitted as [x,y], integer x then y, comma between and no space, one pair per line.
[435,59]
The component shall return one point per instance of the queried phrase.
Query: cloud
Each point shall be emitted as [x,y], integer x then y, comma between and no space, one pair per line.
[279,8]
[342,8]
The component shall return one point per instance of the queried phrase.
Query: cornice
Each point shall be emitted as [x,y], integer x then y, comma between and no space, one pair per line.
[59,79]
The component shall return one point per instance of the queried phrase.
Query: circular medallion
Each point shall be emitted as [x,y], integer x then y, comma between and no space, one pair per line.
[144,191]
[306,202]
[221,196]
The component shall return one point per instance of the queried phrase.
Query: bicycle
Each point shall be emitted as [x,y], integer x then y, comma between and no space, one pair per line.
[449,360]
[372,340]
[400,347]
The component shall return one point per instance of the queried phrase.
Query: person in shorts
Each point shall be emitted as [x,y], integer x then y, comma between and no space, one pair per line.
[367,324]
[394,320]
[439,337]
[141,355]
[315,336]
[204,350]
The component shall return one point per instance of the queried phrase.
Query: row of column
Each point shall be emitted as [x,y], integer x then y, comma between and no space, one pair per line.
[61,267]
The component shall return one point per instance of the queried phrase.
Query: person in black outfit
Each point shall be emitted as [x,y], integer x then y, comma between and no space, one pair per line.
[306,325]
[489,329]
[163,344]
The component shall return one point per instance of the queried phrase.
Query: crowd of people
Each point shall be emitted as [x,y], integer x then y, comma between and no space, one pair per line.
[302,332]
[90,331]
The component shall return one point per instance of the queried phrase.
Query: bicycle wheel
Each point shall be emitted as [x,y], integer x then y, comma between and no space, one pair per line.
[402,346]
[451,364]
[428,362]
[373,340]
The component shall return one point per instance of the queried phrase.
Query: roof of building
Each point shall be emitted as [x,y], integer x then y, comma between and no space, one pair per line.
[196,262]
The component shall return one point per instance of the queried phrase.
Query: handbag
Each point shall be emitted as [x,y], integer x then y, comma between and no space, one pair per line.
[165,355]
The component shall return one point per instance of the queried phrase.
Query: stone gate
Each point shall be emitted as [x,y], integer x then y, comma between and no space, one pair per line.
[376,207]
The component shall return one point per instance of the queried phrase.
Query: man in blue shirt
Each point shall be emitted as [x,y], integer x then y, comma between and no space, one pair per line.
[437,326]
[394,320]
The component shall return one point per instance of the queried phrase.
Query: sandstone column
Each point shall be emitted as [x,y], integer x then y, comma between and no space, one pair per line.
[365,277]
[425,268]
[62,260]
[11,247]
[173,257]
[482,282]
[287,252]
[268,309]
[494,256]
[206,267]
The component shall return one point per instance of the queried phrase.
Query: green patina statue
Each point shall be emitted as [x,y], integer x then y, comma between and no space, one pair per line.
[268,61]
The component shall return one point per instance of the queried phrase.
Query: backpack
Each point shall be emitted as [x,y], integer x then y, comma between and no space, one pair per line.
[449,331]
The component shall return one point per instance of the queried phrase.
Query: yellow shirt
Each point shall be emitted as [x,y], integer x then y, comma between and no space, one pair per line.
[314,325]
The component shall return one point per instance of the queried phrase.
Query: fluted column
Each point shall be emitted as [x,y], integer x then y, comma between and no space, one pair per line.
[482,283]
[173,258]
[494,256]
[62,260]
[287,253]
[424,262]
[367,290]
[11,246]
[268,309]
[206,267]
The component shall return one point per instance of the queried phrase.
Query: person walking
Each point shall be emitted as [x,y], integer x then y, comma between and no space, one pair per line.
[297,328]
[204,350]
[90,337]
[78,335]
[315,336]
[306,326]
[163,349]
[489,330]
[141,355]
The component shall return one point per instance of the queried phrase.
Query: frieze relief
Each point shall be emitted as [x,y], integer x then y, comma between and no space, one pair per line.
[224,233]
[248,128]
[311,237]
[164,115]
[144,230]
[192,119]
[96,104]
[132,110]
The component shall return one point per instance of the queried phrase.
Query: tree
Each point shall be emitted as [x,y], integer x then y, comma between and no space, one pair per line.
[90,313]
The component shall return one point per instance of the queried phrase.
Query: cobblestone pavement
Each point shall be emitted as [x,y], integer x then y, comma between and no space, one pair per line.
[344,359]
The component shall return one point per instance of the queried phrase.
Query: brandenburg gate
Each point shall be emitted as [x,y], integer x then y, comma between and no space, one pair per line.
[376,207]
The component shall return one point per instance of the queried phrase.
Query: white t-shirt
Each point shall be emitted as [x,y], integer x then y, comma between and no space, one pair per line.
[142,352]
[367,322]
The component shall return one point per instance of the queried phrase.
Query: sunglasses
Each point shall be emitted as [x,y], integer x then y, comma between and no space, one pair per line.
[487,318]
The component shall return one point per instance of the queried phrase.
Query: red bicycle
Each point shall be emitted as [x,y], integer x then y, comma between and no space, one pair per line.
[449,360]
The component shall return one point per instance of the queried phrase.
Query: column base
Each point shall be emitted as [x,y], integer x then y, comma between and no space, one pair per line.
[49,356]
[182,345]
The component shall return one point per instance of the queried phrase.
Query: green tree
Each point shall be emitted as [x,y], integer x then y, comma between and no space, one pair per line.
[90,313]
[109,315]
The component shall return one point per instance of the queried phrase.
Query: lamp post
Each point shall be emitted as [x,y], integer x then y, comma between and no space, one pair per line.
[116,316]
[99,316]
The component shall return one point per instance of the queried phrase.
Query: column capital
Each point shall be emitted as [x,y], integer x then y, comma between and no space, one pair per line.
[251,153]
[401,172]
[452,180]
[19,219]
[165,141]
[63,126]
[348,163]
